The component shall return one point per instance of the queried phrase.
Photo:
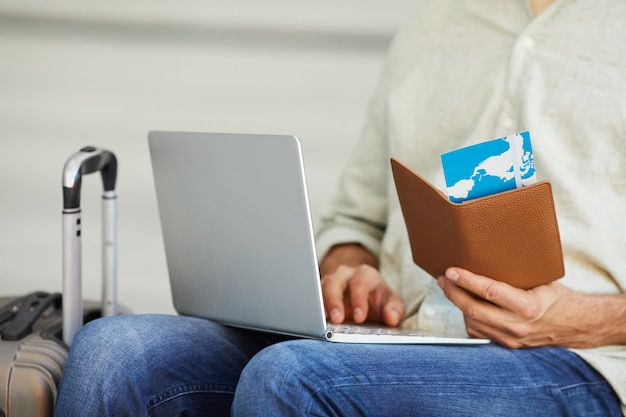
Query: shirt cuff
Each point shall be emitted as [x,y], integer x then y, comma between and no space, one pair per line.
[338,235]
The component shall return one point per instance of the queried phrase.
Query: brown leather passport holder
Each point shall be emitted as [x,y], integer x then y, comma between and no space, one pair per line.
[511,236]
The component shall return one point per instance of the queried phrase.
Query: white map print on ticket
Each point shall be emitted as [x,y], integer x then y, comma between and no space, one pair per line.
[489,167]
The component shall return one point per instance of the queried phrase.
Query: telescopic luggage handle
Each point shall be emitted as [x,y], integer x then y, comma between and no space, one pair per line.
[88,160]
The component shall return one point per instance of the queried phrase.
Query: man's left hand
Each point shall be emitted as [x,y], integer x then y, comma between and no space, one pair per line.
[547,315]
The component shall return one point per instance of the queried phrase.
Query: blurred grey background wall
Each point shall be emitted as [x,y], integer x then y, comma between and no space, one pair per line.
[76,73]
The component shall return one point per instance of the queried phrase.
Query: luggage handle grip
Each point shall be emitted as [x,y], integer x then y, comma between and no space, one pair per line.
[88,160]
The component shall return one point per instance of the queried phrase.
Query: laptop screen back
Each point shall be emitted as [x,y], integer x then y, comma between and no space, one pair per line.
[237,230]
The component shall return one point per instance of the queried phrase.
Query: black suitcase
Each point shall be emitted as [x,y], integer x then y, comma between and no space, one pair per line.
[37,329]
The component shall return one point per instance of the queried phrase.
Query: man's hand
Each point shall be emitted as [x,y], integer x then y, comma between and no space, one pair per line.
[353,289]
[547,315]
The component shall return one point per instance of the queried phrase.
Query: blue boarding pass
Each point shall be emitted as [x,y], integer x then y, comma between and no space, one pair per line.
[489,167]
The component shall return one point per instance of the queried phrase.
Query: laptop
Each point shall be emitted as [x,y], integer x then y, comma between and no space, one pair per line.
[239,239]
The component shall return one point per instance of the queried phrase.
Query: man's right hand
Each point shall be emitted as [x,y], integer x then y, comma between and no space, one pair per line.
[353,289]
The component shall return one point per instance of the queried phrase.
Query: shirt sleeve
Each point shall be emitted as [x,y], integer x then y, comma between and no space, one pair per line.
[357,213]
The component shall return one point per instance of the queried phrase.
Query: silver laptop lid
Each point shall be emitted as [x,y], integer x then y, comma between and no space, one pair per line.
[237,230]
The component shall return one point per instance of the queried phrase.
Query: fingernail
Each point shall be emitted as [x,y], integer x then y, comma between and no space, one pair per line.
[357,313]
[335,315]
[452,275]
[395,316]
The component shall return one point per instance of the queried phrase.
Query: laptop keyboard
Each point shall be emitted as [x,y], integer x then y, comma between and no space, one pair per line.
[376,333]
[365,329]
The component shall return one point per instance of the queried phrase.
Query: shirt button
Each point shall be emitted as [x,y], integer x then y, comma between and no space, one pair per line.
[429,312]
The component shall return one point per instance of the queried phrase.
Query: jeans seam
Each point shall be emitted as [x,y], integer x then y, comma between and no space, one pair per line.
[181,390]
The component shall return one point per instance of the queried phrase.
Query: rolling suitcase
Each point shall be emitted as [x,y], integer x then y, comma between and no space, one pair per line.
[37,329]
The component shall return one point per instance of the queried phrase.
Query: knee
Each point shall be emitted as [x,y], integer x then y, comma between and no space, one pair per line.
[114,346]
[109,362]
[279,380]
[272,364]
[97,334]
[107,334]
[104,347]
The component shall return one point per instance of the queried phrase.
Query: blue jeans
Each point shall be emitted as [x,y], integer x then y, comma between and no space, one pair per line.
[179,366]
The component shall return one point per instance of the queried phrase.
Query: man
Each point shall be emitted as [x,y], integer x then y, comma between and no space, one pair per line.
[458,73]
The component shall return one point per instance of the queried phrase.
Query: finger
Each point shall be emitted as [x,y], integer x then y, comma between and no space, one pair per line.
[333,289]
[495,337]
[486,320]
[365,281]
[483,331]
[373,300]
[477,312]
[471,305]
[477,334]
[479,315]
[496,292]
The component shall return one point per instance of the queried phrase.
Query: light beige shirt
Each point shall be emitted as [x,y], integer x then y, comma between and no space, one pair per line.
[459,73]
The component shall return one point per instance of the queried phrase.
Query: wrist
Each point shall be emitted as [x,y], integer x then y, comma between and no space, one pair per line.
[596,321]
[348,254]
[609,312]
